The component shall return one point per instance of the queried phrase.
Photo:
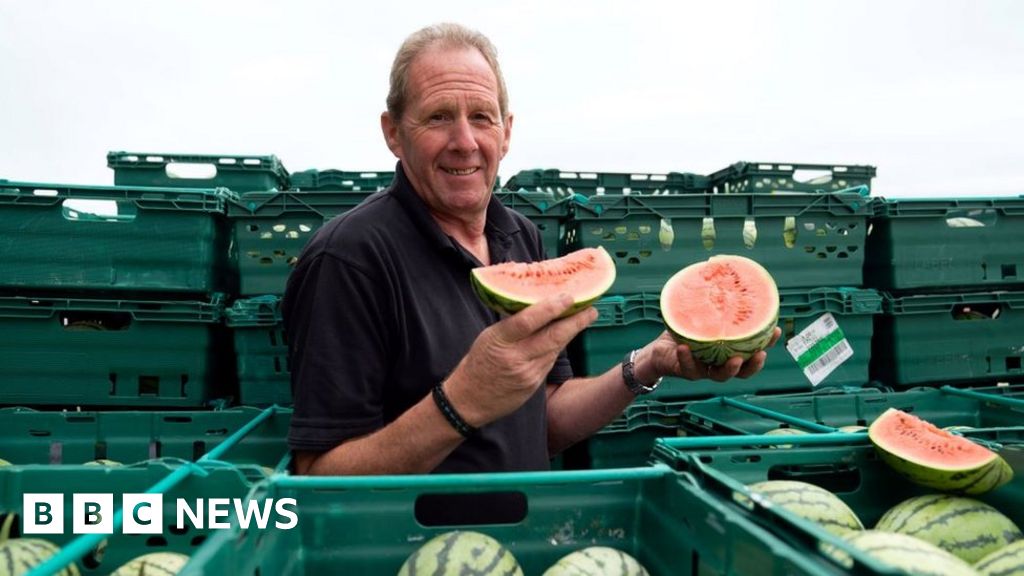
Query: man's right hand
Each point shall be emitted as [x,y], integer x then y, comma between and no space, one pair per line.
[509,360]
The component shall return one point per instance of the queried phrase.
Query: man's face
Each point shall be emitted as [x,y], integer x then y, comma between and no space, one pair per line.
[451,135]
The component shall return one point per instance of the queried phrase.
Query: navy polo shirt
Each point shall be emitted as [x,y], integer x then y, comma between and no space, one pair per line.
[380,308]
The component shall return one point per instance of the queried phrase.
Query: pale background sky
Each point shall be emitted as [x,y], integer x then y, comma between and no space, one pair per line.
[930,92]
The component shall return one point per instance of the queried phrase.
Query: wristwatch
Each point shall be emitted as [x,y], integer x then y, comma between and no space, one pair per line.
[629,376]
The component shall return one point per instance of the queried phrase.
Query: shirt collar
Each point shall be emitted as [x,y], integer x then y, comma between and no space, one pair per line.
[500,225]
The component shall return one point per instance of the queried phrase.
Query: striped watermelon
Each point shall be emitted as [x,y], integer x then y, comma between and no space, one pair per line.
[153,564]
[964,527]
[907,553]
[932,457]
[597,561]
[812,503]
[1006,562]
[104,462]
[726,306]
[20,555]
[461,552]
[785,432]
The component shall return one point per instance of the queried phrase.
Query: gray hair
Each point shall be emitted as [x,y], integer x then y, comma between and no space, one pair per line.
[448,35]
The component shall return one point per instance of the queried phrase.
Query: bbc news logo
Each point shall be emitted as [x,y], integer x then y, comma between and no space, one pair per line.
[144,513]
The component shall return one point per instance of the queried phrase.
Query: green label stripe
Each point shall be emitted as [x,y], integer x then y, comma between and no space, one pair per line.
[819,349]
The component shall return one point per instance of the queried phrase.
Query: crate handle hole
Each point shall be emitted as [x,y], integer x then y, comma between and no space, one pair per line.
[1009,270]
[95,321]
[842,255]
[86,210]
[39,433]
[156,541]
[190,171]
[266,261]
[989,311]
[1013,363]
[460,509]
[149,385]
[812,177]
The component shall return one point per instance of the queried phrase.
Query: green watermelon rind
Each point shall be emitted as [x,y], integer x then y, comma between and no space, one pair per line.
[1008,561]
[908,553]
[812,503]
[505,304]
[967,528]
[969,480]
[605,559]
[718,351]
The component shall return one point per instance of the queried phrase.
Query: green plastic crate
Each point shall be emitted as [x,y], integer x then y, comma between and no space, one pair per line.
[989,407]
[774,178]
[804,240]
[628,322]
[549,212]
[846,464]
[962,338]
[87,352]
[173,478]
[368,526]
[272,228]
[313,180]
[239,173]
[61,237]
[62,437]
[261,349]
[563,183]
[946,243]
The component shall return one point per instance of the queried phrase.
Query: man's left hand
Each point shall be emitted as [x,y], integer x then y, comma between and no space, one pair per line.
[668,358]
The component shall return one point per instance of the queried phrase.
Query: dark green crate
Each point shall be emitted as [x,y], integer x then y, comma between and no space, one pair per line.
[368,526]
[963,338]
[628,322]
[990,407]
[845,464]
[563,183]
[137,239]
[85,352]
[264,377]
[946,243]
[774,178]
[313,180]
[804,240]
[170,477]
[239,173]
[272,228]
[126,436]
[549,212]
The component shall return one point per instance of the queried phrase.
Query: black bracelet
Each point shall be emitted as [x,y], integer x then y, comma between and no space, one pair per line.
[451,415]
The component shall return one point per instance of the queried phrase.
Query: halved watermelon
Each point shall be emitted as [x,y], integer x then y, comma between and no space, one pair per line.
[509,287]
[929,456]
[723,307]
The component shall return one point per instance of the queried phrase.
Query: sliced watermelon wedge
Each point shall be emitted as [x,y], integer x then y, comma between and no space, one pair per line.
[929,456]
[509,287]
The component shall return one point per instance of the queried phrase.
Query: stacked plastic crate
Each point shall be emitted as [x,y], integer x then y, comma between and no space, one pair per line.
[953,273]
[116,360]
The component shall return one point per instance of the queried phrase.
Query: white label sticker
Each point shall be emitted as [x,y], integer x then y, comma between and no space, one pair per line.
[820,348]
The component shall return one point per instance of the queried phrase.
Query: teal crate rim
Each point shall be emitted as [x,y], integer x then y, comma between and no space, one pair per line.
[939,207]
[552,179]
[323,203]
[900,305]
[254,312]
[533,203]
[721,205]
[231,162]
[144,310]
[333,180]
[43,193]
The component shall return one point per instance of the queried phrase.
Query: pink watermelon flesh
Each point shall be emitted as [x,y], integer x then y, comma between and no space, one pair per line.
[585,274]
[921,442]
[724,298]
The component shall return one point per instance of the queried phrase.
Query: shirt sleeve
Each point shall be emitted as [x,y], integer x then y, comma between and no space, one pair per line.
[337,345]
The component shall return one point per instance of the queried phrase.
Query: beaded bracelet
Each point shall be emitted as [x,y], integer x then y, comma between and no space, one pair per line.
[451,415]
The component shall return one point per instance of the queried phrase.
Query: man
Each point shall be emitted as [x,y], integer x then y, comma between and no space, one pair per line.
[396,365]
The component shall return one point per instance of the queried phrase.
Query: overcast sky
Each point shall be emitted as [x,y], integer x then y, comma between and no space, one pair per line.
[930,92]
